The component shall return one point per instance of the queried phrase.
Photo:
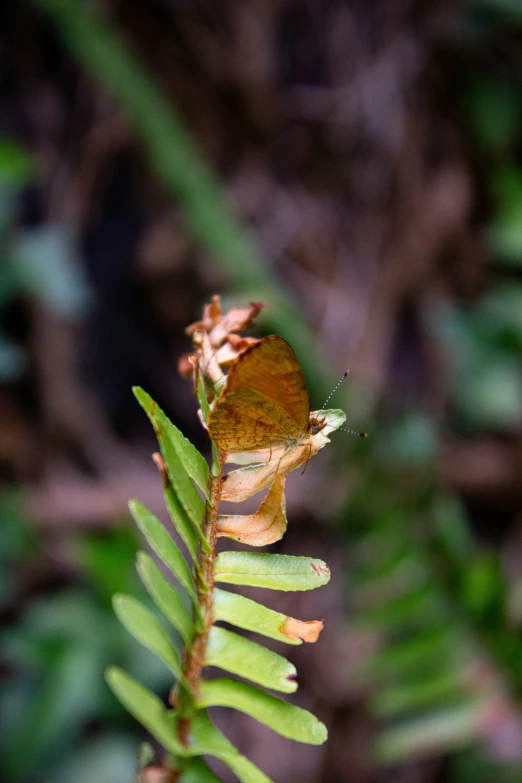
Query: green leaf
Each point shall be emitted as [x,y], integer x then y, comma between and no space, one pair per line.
[145,706]
[493,113]
[453,727]
[452,526]
[181,482]
[146,753]
[245,613]
[181,521]
[166,598]
[289,721]
[146,629]
[47,262]
[241,656]
[205,409]
[439,644]
[482,585]
[416,606]
[202,397]
[277,572]
[208,740]
[197,771]
[66,662]
[421,693]
[490,394]
[193,462]
[108,558]
[164,546]
[16,165]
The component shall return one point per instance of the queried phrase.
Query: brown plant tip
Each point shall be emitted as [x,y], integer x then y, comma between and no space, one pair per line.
[160,464]
[185,365]
[216,340]
[305,631]
[219,325]
[211,316]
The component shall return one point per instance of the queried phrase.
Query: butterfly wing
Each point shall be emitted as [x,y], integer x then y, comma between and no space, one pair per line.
[246,421]
[265,401]
[270,367]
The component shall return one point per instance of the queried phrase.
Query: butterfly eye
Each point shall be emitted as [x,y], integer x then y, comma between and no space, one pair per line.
[317,426]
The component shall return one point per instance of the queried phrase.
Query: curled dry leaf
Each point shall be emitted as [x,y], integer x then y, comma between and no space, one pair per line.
[216,340]
[218,326]
[264,527]
[185,365]
[162,468]
[306,631]
[237,319]
[241,484]
[211,317]
[233,346]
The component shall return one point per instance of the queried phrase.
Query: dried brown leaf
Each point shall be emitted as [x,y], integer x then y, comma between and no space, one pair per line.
[306,631]
[218,325]
[264,527]
[237,319]
[245,482]
[212,315]
[230,350]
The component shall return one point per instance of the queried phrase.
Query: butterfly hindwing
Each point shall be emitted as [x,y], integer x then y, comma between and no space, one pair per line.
[247,420]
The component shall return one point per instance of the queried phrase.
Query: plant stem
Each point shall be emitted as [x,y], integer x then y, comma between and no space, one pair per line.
[196,657]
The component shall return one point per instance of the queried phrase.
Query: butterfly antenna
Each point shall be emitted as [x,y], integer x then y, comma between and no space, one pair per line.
[354,432]
[341,429]
[334,389]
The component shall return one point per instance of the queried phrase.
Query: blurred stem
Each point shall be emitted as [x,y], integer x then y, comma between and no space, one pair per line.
[178,162]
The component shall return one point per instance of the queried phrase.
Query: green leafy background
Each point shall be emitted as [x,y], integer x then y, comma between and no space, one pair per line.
[359,169]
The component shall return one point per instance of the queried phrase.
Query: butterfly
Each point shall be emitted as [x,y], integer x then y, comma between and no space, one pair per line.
[265,402]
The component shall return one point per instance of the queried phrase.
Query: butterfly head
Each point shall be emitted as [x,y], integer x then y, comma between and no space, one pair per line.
[317,423]
[323,422]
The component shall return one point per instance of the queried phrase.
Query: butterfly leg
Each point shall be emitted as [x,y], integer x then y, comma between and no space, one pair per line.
[307,459]
[280,460]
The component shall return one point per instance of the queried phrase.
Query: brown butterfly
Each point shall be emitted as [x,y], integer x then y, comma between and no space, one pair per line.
[265,402]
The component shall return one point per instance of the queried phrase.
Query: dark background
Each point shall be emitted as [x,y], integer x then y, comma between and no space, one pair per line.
[366,182]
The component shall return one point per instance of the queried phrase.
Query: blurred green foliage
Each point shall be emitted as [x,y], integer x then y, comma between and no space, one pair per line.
[175,157]
[39,261]
[58,718]
[15,171]
[447,652]
[439,605]
[482,345]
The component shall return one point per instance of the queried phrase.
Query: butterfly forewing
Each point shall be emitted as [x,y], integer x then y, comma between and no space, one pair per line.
[271,368]
[265,401]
